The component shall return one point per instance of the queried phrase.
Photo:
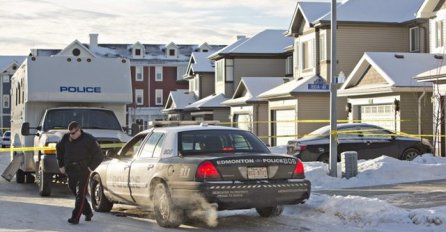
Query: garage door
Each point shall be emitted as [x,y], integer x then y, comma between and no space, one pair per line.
[381,115]
[285,126]
[243,121]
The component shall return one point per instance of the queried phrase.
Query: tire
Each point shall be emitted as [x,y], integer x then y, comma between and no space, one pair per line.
[166,214]
[324,158]
[410,154]
[44,182]
[270,211]
[29,178]
[99,201]
[20,177]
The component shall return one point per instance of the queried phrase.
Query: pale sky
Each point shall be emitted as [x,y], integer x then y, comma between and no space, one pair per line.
[27,24]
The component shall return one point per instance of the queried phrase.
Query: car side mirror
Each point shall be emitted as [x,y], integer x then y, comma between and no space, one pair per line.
[25,129]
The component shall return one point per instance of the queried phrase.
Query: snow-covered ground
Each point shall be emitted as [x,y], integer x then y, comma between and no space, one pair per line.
[23,210]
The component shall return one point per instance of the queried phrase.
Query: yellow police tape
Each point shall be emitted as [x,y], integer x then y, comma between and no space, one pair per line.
[52,148]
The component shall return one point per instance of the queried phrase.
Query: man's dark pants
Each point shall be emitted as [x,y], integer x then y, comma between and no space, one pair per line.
[78,176]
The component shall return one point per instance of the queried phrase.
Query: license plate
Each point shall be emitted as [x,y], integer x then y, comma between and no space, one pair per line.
[257,173]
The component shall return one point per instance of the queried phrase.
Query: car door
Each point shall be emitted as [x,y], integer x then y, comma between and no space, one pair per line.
[379,141]
[119,168]
[143,168]
[350,139]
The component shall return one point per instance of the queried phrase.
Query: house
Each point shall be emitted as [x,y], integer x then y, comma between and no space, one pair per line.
[262,55]
[248,112]
[8,66]
[435,10]
[156,70]
[176,102]
[363,25]
[381,90]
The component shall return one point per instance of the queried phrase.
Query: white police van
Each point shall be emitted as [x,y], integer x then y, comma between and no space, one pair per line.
[49,92]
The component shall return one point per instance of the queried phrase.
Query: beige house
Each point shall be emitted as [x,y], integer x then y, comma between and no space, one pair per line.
[247,110]
[363,25]
[381,91]
[262,55]
[435,10]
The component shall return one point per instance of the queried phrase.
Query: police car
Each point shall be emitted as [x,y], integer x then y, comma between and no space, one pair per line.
[172,169]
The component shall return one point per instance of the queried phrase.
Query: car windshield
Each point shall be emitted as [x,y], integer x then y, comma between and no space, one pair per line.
[88,118]
[219,141]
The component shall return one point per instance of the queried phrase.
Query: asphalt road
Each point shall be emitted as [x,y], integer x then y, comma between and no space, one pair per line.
[413,195]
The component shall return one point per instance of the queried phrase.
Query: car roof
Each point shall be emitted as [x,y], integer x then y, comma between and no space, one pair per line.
[176,129]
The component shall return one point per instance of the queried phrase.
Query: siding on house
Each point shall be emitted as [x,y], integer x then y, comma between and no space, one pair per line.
[207,85]
[372,77]
[409,113]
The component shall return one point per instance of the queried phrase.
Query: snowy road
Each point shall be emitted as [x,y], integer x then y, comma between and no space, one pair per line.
[23,210]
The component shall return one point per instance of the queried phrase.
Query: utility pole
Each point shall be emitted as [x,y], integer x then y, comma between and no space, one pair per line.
[333,125]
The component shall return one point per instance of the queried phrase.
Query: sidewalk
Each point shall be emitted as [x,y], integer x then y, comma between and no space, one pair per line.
[413,195]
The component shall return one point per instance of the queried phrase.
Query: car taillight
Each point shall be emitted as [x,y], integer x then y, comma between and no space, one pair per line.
[207,170]
[299,169]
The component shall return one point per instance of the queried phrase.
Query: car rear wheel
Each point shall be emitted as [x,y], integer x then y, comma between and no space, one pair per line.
[99,201]
[410,154]
[270,211]
[166,214]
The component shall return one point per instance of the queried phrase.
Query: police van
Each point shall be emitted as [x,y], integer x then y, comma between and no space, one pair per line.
[49,92]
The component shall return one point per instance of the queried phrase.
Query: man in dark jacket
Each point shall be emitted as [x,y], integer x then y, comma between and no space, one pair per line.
[78,153]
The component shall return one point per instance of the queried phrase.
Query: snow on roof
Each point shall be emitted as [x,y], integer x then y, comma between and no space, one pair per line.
[181,98]
[378,11]
[437,73]
[314,10]
[211,101]
[228,48]
[6,61]
[254,86]
[309,84]
[202,62]
[398,69]
[267,41]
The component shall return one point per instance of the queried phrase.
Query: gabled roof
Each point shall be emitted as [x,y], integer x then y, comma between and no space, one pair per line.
[308,11]
[309,84]
[202,62]
[428,8]
[228,48]
[178,100]
[397,69]
[375,11]
[267,42]
[7,61]
[76,43]
[249,89]
[211,101]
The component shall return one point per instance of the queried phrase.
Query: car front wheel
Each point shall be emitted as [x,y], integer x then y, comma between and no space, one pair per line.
[410,154]
[166,214]
[270,211]
[98,199]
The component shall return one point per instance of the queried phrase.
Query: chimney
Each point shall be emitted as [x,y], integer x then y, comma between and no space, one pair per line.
[93,41]
[241,37]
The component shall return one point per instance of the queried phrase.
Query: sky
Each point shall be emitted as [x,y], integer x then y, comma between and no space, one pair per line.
[27,24]
[24,210]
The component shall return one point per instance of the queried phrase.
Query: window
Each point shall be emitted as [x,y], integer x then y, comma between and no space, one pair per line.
[132,147]
[415,39]
[158,96]
[171,52]
[289,65]
[76,52]
[5,101]
[192,85]
[205,50]
[229,70]
[220,65]
[151,144]
[139,96]
[5,78]
[139,73]
[306,55]
[439,34]
[158,73]
[322,48]
[137,52]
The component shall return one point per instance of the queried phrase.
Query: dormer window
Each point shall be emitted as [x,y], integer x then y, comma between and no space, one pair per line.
[76,52]
[137,52]
[171,52]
